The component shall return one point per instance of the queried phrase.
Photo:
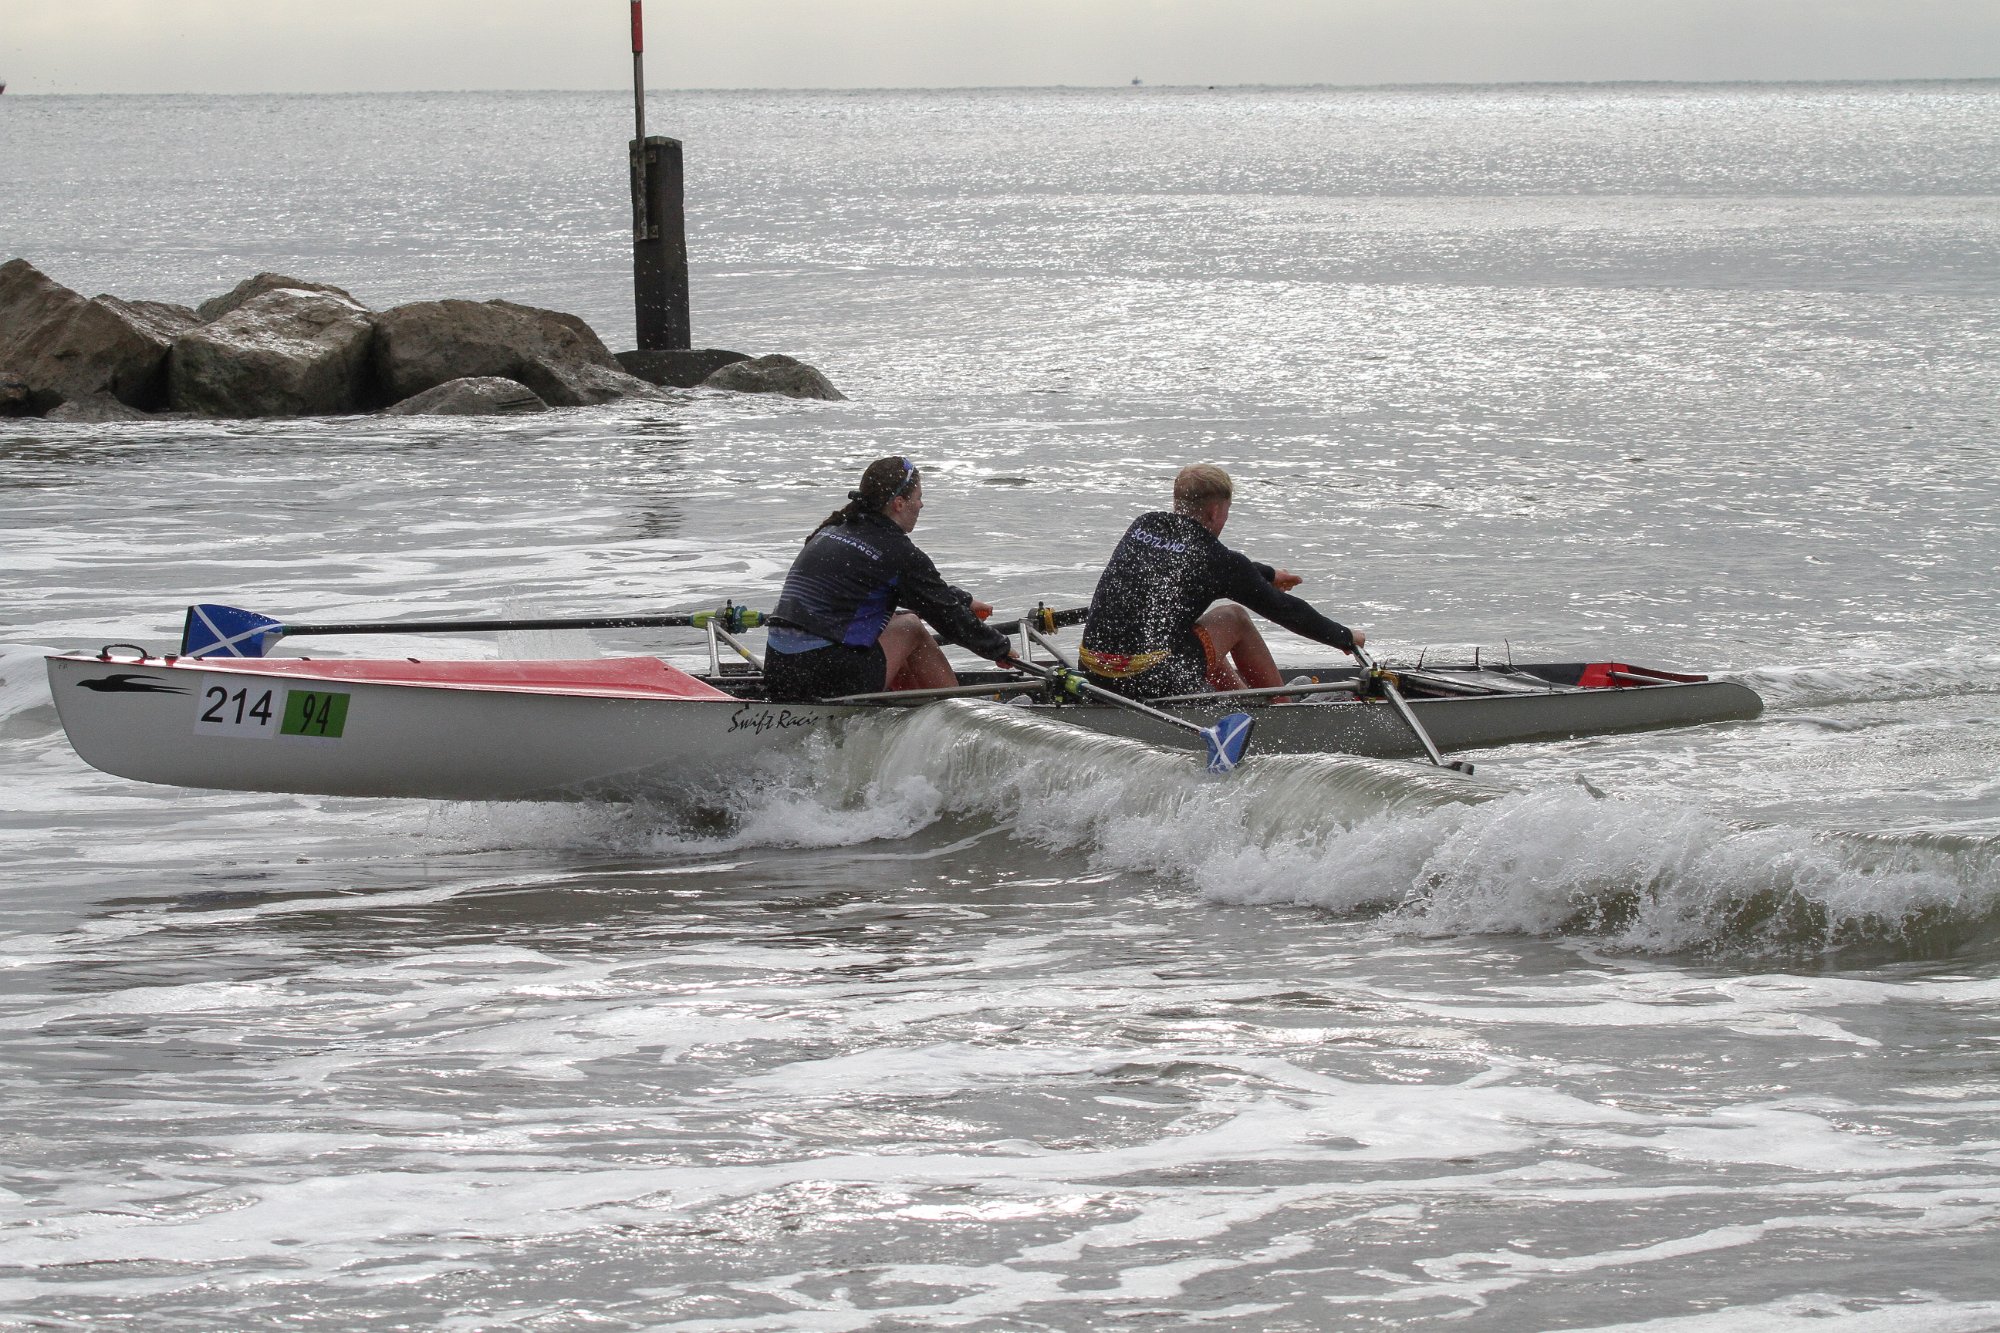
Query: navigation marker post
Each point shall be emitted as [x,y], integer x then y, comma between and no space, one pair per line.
[659,222]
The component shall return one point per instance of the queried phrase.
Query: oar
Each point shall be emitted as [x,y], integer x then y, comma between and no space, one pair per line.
[214,630]
[1377,676]
[1226,741]
[228,631]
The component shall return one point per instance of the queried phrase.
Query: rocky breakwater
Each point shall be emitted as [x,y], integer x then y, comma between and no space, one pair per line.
[276,346]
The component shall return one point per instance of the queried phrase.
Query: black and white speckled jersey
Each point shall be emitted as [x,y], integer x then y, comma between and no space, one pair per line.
[1166,570]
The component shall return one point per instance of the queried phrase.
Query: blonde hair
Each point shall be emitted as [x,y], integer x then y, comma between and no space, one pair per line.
[1197,487]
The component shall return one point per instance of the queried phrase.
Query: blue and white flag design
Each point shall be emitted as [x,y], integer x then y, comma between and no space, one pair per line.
[1227,740]
[227,631]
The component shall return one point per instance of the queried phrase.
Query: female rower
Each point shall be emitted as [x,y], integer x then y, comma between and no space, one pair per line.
[836,628]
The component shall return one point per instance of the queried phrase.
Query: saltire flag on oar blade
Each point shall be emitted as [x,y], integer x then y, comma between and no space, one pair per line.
[1227,740]
[227,631]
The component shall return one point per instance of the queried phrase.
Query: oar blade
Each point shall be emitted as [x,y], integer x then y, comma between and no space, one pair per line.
[1227,741]
[213,630]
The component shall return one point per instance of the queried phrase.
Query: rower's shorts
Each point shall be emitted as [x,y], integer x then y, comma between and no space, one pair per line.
[825,673]
[1176,675]
[1220,674]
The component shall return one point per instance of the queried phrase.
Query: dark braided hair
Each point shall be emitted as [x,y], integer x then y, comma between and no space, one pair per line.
[884,480]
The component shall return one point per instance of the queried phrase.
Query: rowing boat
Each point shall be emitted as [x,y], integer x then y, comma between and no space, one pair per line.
[618,727]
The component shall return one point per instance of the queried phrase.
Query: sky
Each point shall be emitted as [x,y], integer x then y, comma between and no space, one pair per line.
[232,46]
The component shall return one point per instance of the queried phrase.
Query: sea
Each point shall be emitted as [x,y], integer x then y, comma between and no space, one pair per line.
[976,1022]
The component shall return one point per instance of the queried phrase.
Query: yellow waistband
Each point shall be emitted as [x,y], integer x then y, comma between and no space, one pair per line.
[1119,666]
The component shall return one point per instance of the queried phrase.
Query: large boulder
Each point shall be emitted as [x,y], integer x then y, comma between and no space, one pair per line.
[248,290]
[284,353]
[428,343]
[162,318]
[480,396]
[99,406]
[559,325]
[776,373]
[65,346]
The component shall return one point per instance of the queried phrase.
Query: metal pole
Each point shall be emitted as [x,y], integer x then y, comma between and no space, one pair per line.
[639,69]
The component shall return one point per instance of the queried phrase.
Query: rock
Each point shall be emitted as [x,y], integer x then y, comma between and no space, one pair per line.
[99,406]
[162,318]
[215,307]
[284,353]
[776,373]
[15,396]
[476,396]
[428,343]
[589,384]
[64,346]
[681,369]
[556,323]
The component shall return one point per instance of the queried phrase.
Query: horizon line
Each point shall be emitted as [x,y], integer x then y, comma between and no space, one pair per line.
[1057,87]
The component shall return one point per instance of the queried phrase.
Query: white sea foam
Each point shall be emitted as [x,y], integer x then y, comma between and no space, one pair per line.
[1443,854]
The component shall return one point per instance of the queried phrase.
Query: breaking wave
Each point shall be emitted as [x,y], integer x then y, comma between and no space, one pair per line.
[1424,851]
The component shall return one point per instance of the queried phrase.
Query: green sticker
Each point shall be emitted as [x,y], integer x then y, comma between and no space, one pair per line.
[314,713]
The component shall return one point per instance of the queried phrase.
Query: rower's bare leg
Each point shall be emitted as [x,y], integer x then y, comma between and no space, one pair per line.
[1238,642]
[915,662]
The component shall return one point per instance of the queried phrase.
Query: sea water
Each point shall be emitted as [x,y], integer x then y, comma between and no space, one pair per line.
[980,1023]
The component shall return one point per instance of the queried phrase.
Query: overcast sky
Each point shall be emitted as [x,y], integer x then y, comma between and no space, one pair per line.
[118,46]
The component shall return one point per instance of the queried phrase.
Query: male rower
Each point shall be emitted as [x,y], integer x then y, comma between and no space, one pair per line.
[836,628]
[1155,626]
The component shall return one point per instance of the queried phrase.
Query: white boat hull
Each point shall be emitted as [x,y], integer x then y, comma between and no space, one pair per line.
[609,730]
[408,740]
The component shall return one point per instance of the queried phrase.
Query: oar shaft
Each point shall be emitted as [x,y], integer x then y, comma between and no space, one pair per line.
[685,619]
[1402,706]
[1114,698]
[476,626]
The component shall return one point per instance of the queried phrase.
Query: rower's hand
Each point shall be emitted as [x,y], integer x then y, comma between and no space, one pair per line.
[980,609]
[1360,640]
[1284,580]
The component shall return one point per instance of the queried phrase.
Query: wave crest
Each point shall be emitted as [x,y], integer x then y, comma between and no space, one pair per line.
[1429,852]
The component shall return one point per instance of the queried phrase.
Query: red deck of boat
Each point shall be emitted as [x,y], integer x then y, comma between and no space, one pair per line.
[607,677]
